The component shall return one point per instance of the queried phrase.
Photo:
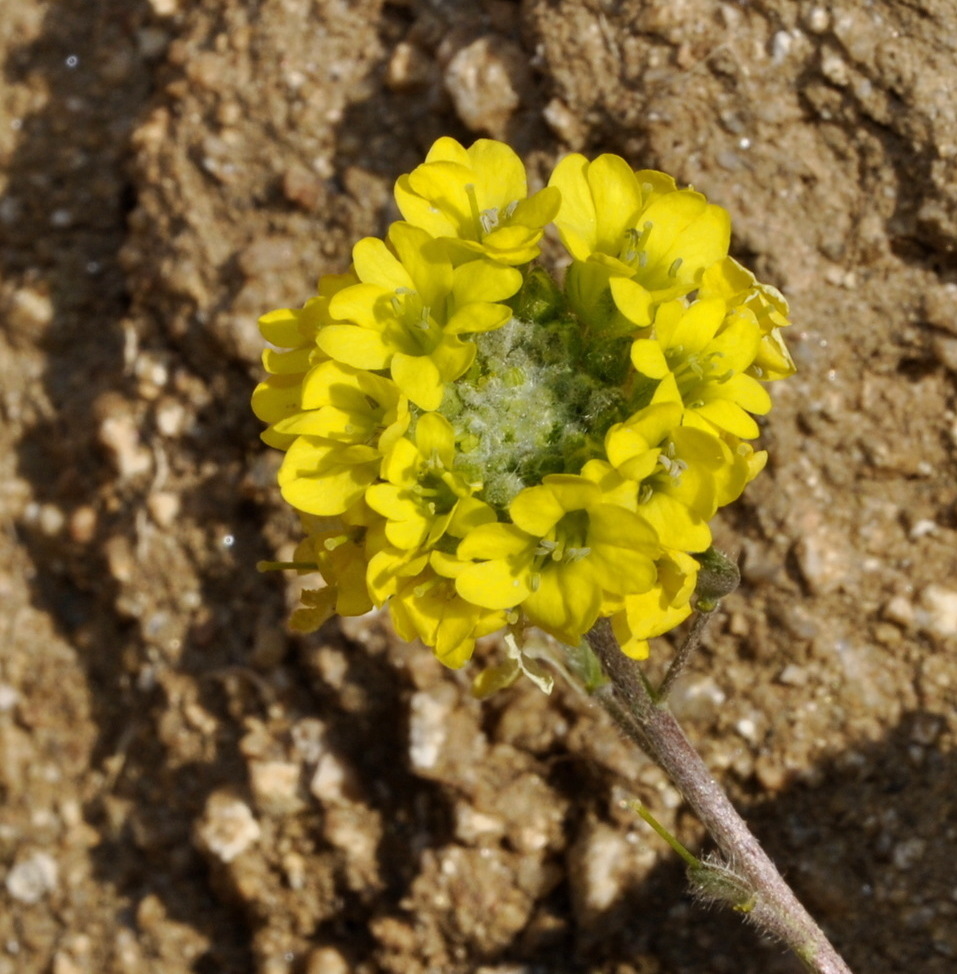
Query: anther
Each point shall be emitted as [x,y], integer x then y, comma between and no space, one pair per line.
[545,548]
[489,219]
[673,270]
[576,554]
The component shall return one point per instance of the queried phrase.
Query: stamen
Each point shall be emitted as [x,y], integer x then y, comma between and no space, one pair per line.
[576,554]
[545,548]
[673,270]
[473,204]
[645,493]
[489,219]
[534,581]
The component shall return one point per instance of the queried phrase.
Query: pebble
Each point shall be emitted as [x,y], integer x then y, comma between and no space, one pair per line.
[409,68]
[945,351]
[163,506]
[269,647]
[32,878]
[170,417]
[834,69]
[602,864]
[696,698]
[227,827]
[303,187]
[152,41]
[9,697]
[120,558]
[121,438]
[939,305]
[900,609]
[793,676]
[908,853]
[818,20]
[823,565]
[473,827]
[275,786]
[429,711]
[334,781]
[922,527]
[266,256]
[326,960]
[28,312]
[309,739]
[484,80]
[939,610]
[565,123]
[47,517]
[770,773]
[82,524]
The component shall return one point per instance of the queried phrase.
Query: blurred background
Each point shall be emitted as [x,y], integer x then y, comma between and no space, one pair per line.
[185,786]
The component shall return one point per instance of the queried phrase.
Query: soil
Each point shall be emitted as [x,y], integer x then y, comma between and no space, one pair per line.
[187,787]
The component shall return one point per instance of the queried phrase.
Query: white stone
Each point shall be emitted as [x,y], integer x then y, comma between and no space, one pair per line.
[333,780]
[939,607]
[228,827]
[275,785]
[429,712]
[32,878]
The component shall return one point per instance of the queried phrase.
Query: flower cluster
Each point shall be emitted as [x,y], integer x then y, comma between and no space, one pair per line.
[477,447]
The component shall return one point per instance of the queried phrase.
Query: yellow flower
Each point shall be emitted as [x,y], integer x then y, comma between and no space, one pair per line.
[349,419]
[474,445]
[746,296]
[429,608]
[565,549]
[410,310]
[334,546]
[665,605]
[421,492]
[475,200]
[653,240]
[709,365]
[294,329]
[665,473]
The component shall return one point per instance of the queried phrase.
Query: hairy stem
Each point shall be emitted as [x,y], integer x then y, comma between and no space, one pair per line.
[684,655]
[776,909]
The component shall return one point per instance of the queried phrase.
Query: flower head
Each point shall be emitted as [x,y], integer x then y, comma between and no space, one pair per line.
[474,446]
[475,200]
[652,240]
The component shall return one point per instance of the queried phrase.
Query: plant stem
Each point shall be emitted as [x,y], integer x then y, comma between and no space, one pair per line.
[776,909]
[684,654]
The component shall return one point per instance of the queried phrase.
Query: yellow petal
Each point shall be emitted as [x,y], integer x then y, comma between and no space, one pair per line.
[576,220]
[492,584]
[418,377]
[376,264]
[648,358]
[362,348]
[618,200]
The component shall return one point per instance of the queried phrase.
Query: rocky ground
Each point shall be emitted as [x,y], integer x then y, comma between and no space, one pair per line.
[188,788]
